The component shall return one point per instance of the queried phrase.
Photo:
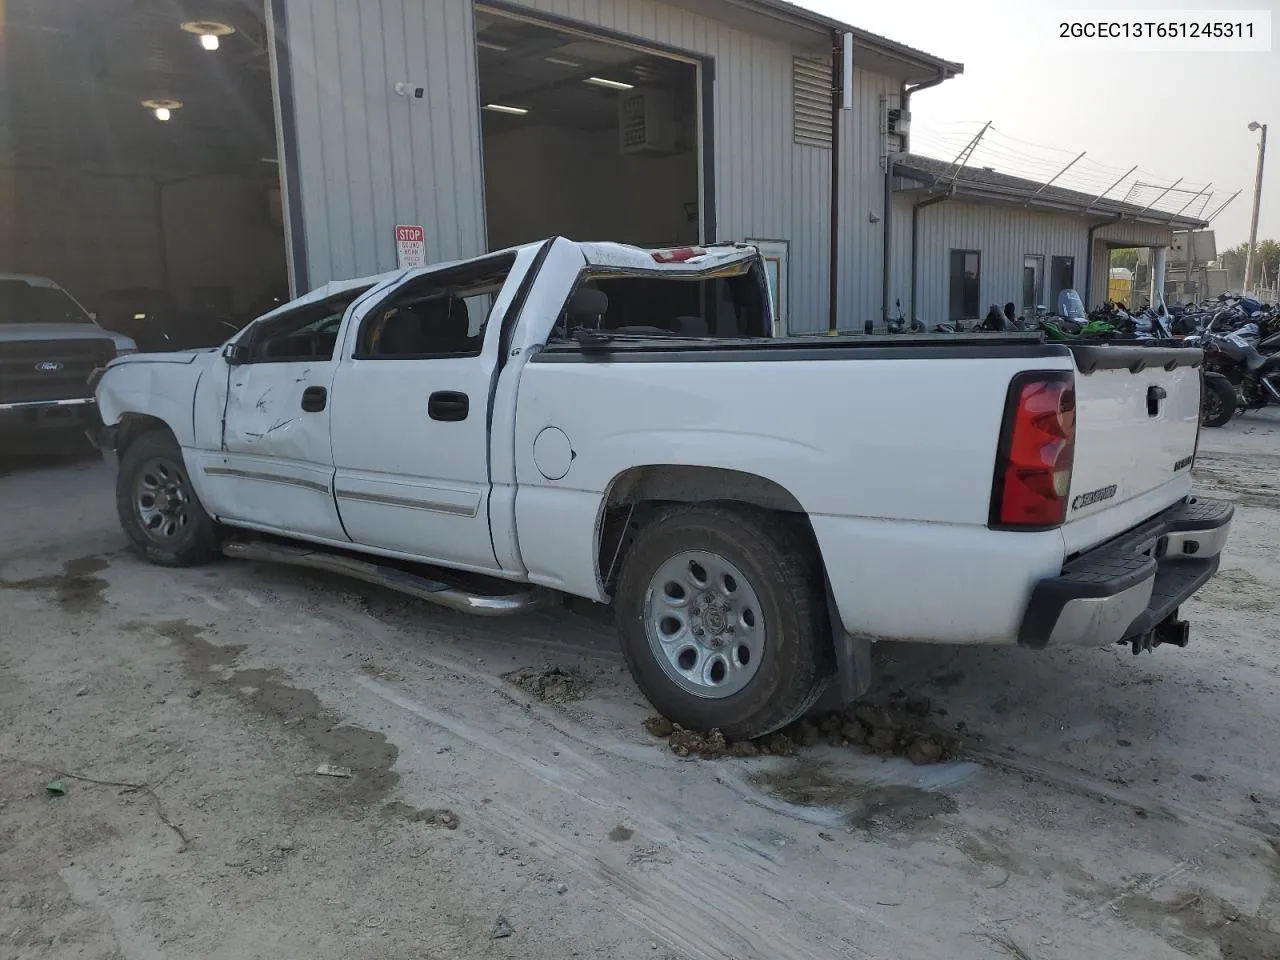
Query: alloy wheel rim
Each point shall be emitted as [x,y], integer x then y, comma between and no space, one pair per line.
[704,624]
[162,500]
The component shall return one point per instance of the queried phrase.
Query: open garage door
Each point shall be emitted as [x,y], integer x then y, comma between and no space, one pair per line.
[587,138]
[138,162]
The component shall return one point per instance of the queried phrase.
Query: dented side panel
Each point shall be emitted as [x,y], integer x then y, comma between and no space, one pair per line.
[159,388]
[265,415]
[274,464]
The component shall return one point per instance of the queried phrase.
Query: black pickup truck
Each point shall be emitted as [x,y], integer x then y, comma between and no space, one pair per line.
[49,345]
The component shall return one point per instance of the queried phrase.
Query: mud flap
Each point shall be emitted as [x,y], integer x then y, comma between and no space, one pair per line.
[852,659]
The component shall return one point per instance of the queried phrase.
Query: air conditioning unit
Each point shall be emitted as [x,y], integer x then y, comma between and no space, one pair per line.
[647,123]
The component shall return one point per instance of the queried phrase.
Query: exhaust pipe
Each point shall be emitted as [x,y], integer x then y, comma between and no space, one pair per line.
[384,575]
[1271,389]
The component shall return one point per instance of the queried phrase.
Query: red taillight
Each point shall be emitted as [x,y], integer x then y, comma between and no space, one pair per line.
[1037,448]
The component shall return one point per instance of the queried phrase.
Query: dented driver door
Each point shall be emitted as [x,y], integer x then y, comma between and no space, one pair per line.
[274,470]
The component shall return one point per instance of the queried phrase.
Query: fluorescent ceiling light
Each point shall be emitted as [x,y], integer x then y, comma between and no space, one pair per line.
[561,62]
[503,108]
[490,45]
[611,84]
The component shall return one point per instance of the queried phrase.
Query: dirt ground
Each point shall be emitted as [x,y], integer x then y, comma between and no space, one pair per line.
[1102,805]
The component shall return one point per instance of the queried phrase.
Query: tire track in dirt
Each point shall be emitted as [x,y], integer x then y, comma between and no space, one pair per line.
[697,864]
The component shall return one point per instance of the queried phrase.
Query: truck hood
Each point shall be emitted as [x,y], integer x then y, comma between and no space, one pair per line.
[26,332]
[178,356]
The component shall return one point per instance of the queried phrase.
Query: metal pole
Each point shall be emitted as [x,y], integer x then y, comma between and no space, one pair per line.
[1257,201]
[838,41]
[1162,196]
[1212,216]
[962,157]
[1109,189]
[1190,202]
[1046,186]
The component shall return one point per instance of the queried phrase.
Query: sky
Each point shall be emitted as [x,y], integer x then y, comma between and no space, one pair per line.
[1180,114]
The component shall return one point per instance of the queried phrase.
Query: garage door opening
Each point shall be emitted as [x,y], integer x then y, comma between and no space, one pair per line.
[139,170]
[586,138]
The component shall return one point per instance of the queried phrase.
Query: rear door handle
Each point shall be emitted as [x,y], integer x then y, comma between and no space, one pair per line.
[314,399]
[448,405]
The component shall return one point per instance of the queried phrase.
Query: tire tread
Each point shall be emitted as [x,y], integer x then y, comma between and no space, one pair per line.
[201,546]
[790,565]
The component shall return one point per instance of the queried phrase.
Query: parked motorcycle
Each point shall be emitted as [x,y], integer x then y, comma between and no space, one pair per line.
[1238,375]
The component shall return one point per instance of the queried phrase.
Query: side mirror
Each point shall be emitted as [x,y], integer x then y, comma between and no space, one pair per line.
[234,354]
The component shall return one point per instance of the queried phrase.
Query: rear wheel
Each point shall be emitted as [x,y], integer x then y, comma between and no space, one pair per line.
[723,619]
[158,507]
[1218,403]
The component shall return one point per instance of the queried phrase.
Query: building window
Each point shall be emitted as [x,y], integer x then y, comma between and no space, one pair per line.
[1032,284]
[966,275]
[811,109]
[1062,276]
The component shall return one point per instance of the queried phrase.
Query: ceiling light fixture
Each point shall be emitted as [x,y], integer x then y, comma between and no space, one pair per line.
[490,45]
[210,32]
[610,84]
[503,108]
[561,62]
[162,107]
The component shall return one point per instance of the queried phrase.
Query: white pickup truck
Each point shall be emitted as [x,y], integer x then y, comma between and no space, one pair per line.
[618,424]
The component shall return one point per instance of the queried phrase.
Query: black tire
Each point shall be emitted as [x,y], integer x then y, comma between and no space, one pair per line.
[1218,404]
[170,532]
[782,574]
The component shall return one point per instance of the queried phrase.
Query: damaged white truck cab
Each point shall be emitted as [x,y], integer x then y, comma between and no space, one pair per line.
[618,424]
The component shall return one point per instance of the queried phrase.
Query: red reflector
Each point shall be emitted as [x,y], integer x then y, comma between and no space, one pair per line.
[1037,448]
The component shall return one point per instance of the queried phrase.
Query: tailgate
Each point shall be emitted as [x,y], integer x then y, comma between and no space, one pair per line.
[1137,420]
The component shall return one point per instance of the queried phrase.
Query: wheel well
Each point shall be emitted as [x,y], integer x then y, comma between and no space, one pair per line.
[639,492]
[134,425]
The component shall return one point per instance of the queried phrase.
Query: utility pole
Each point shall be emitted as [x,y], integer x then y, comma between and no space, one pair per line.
[1257,202]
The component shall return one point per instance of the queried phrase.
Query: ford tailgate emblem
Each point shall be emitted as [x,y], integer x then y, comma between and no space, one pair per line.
[48,366]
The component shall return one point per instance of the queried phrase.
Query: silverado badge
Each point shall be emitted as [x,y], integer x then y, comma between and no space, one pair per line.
[1093,496]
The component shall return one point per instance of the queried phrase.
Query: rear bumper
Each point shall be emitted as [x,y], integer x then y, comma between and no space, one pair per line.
[1127,587]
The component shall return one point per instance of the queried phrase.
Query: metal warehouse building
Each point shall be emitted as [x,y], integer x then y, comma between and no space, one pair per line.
[966,237]
[205,158]
[653,123]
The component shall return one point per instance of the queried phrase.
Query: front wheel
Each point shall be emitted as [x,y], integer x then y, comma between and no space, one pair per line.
[723,619]
[1219,402]
[158,507]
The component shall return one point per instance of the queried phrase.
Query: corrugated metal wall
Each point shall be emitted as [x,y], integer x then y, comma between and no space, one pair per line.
[370,159]
[862,195]
[1004,234]
[1101,272]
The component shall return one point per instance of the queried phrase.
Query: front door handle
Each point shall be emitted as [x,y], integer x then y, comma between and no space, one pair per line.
[314,399]
[448,405]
